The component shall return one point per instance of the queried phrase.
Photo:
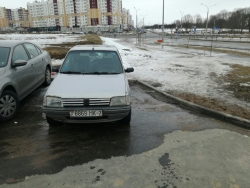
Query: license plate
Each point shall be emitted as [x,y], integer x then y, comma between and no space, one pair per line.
[86,113]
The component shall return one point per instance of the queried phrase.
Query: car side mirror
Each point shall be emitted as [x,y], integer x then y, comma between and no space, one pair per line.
[55,69]
[128,70]
[19,63]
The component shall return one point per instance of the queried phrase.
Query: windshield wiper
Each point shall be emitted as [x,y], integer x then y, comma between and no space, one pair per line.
[71,72]
[101,73]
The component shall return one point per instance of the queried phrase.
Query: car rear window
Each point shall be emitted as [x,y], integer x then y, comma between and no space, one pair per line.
[89,62]
[4,56]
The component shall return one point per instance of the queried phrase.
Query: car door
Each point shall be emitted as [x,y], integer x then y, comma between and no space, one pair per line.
[38,61]
[41,66]
[24,76]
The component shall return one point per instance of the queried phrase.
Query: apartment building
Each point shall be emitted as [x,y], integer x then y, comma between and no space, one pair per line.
[75,13]
[66,13]
[127,21]
[3,20]
[10,18]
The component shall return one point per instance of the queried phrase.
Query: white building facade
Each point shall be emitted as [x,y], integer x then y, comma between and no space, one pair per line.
[75,13]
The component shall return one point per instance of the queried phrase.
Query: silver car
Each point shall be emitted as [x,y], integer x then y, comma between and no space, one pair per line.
[91,86]
[23,67]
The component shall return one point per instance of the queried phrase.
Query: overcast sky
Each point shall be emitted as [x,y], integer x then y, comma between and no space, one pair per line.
[153,8]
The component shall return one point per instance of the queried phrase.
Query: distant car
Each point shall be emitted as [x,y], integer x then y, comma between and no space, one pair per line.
[91,86]
[77,32]
[23,67]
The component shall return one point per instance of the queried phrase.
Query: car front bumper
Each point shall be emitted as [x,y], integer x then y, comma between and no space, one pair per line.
[109,114]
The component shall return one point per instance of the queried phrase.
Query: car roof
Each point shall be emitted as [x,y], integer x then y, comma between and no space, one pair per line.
[94,47]
[13,43]
[10,43]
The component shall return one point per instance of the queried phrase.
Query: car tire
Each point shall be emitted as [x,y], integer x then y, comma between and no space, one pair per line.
[47,80]
[53,123]
[9,111]
[126,120]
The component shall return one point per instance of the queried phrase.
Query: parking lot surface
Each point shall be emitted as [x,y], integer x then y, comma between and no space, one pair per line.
[165,146]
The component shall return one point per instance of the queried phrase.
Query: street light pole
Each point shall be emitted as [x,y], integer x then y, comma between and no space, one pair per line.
[162,22]
[181,18]
[207,15]
[127,21]
[136,18]
[143,20]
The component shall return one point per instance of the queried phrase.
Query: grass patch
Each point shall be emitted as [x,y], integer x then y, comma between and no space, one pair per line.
[57,52]
[126,50]
[51,38]
[222,50]
[239,82]
[82,40]
[215,104]
[142,49]
[91,39]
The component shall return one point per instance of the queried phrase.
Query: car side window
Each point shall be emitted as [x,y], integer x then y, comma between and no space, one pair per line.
[39,50]
[32,50]
[19,53]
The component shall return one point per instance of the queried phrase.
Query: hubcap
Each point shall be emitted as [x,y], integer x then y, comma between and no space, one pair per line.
[7,106]
[48,77]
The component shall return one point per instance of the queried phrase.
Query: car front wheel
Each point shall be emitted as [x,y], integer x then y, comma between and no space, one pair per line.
[47,77]
[52,123]
[9,105]
[126,120]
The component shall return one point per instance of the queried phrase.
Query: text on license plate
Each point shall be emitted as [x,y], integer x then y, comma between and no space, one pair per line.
[86,113]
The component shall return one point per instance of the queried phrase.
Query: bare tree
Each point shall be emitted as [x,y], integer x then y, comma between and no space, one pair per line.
[238,19]
[248,21]
[187,21]
[198,20]
[224,14]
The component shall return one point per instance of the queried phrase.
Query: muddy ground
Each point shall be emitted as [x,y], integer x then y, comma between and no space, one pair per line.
[29,147]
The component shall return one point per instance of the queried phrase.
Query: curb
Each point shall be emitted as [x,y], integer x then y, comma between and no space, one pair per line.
[220,40]
[203,110]
[204,39]
[214,47]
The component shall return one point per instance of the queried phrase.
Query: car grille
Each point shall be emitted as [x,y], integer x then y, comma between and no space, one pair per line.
[99,102]
[85,102]
[73,102]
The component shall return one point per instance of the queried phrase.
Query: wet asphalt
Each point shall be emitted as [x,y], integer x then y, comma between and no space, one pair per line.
[29,147]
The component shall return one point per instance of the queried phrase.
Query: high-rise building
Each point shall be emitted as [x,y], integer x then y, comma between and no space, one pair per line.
[10,18]
[66,13]
[126,19]
[75,13]
[3,20]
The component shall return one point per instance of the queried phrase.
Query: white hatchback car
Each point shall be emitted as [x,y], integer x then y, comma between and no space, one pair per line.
[90,87]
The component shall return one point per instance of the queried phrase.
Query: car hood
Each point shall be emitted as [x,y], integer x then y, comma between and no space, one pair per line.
[87,86]
[2,71]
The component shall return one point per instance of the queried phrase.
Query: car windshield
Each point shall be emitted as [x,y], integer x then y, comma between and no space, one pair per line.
[4,54]
[92,62]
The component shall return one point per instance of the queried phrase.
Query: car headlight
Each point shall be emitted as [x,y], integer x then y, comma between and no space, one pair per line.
[120,101]
[52,102]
